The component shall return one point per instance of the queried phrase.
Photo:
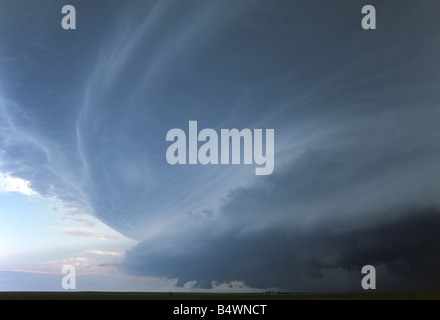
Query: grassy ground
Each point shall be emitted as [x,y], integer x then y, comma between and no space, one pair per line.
[82,295]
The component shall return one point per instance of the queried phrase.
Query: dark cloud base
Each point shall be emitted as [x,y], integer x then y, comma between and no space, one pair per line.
[405,252]
[313,225]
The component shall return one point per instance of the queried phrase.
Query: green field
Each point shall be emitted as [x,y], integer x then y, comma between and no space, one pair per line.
[95,295]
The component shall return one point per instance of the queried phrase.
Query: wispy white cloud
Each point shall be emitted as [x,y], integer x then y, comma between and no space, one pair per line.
[30,271]
[12,184]
[80,219]
[82,232]
[105,253]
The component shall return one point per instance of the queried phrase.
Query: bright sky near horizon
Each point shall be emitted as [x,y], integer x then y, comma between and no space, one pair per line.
[39,236]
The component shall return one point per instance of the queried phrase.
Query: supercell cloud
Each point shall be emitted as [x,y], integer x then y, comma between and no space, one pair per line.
[84,115]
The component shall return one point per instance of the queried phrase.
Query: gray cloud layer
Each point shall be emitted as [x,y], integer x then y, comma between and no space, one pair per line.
[84,116]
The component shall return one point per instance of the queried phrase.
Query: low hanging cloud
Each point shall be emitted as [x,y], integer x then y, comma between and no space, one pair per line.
[313,241]
[404,259]
[355,115]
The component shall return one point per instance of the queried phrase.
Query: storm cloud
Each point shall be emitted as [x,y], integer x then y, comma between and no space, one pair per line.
[84,114]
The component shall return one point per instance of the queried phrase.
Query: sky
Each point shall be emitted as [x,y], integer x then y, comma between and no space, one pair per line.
[84,115]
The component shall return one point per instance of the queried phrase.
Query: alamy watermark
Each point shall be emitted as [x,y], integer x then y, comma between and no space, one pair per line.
[185,148]
[369,281]
[69,280]
[368,21]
